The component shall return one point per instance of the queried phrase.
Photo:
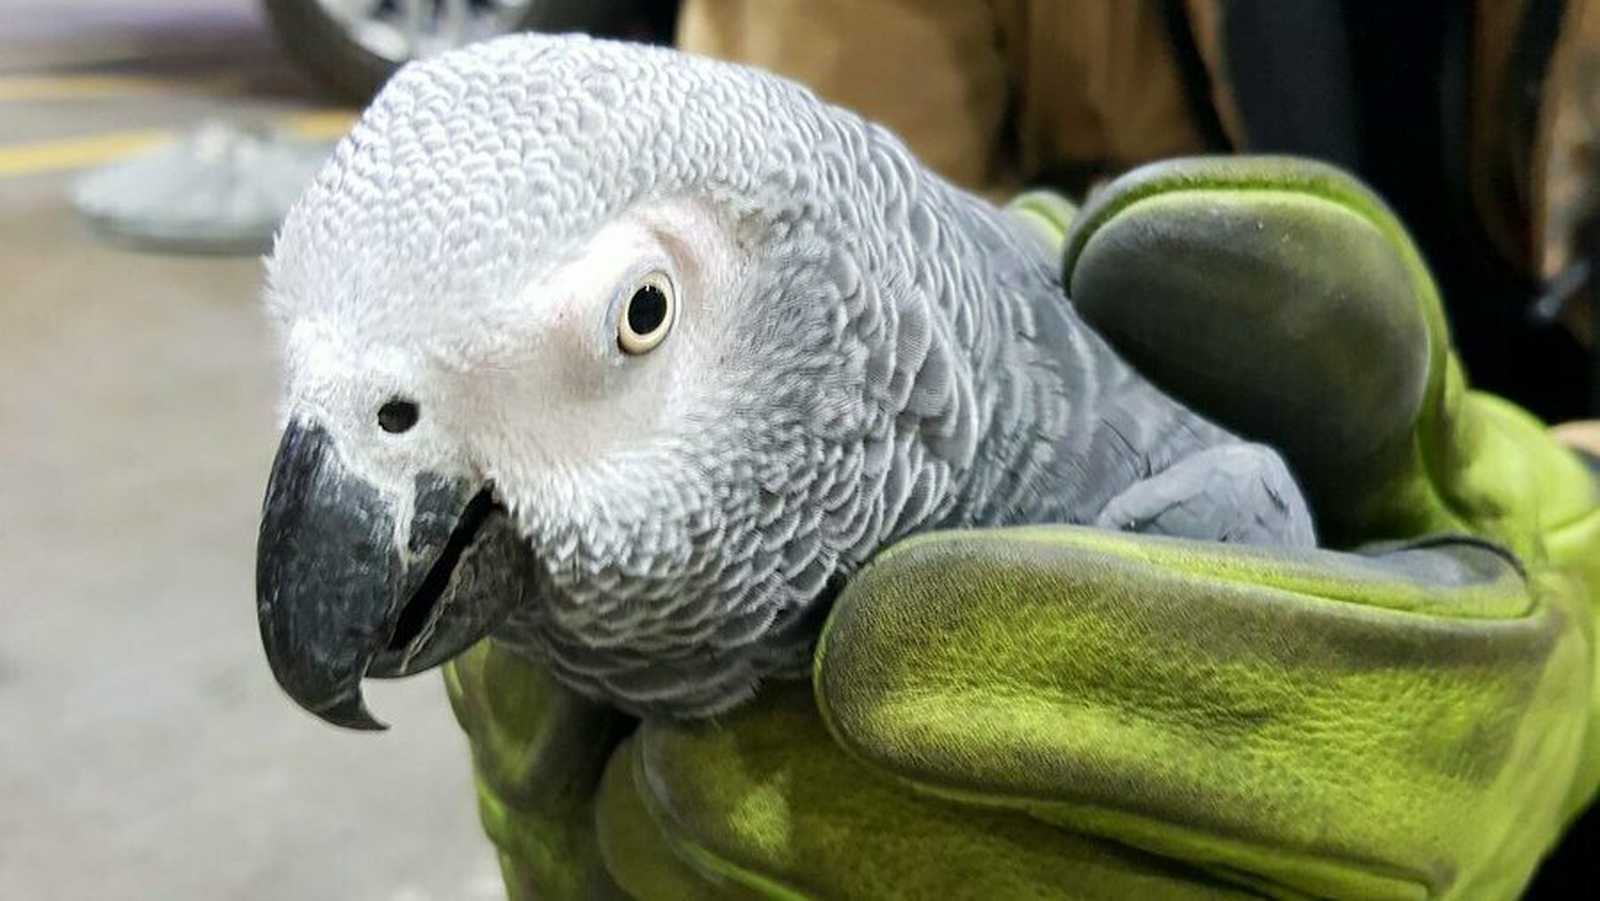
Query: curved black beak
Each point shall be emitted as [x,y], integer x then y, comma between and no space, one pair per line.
[346,589]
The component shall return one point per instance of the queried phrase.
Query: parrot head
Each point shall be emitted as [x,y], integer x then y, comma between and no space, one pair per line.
[569,332]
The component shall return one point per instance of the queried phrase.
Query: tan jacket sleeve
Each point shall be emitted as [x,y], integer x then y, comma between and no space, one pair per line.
[931,70]
[994,94]
[1566,152]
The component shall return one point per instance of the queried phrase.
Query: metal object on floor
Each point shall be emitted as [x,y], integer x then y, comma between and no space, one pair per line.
[222,188]
[400,30]
[353,46]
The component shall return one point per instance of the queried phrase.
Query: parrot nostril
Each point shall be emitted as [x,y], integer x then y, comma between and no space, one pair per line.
[397,416]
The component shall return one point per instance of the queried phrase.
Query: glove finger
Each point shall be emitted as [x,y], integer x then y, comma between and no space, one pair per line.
[1247,287]
[537,753]
[767,805]
[1281,297]
[1387,726]
[645,861]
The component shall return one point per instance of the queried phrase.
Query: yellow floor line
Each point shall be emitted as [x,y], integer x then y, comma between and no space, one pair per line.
[328,125]
[77,153]
[45,88]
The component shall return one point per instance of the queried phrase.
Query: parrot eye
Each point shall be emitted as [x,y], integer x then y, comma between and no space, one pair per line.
[648,315]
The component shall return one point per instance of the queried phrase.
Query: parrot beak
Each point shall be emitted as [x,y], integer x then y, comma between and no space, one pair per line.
[352,581]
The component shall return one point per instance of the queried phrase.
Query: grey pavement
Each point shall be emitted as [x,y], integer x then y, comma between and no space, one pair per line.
[145,752]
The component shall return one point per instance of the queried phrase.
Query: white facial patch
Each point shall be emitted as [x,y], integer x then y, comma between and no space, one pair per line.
[564,392]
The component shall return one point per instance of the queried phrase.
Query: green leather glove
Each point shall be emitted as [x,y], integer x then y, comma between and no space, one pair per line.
[1059,712]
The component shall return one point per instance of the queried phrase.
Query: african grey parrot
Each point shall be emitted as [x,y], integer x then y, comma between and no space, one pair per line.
[628,358]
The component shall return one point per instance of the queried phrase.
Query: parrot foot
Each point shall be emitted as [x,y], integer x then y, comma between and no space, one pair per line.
[1238,493]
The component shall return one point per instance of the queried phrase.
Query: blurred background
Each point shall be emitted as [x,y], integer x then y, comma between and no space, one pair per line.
[145,751]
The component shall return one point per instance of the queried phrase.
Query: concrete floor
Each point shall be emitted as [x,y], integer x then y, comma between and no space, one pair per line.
[145,751]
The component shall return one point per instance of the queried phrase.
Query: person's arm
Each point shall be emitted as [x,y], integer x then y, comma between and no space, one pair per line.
[932,71]
[1583,435]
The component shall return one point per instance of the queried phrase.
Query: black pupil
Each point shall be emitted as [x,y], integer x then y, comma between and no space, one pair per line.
[647,310]
[397,416]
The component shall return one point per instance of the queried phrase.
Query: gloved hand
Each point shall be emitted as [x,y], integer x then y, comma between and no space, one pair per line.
[1060,712]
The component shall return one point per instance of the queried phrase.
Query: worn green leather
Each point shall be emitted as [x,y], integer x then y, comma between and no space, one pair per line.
[1059,712]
